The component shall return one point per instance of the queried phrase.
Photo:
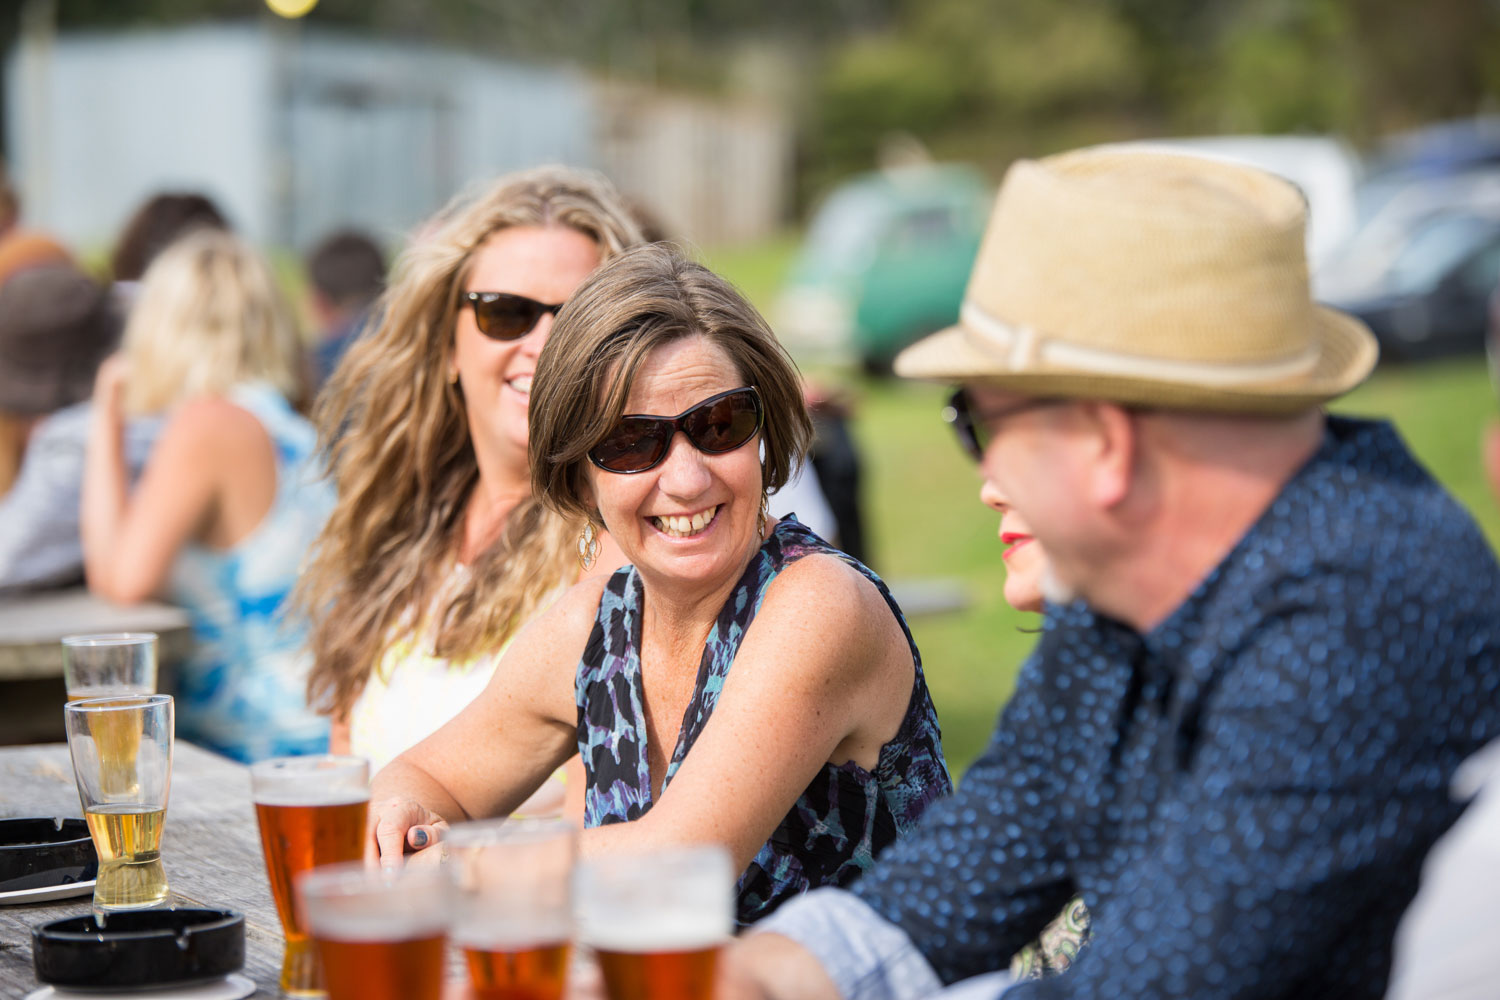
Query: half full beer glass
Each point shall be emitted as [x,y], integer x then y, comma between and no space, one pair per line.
[380,932]
[656,922]
[122,762]
[312,812]
[514,908]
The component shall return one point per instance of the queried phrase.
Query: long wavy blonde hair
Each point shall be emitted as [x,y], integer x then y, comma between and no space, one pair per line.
[398,448]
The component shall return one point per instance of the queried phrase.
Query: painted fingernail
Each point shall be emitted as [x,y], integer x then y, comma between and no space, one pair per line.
[419,838]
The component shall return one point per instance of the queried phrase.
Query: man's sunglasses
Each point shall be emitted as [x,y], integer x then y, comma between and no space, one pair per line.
[975,428]
[503,316]
[718,424]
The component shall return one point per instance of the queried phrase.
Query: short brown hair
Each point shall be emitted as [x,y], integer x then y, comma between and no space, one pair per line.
[646,297]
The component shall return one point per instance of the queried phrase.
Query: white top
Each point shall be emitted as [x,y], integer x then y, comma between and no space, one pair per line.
[413,692]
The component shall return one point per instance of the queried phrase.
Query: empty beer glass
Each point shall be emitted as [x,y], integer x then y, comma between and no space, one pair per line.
[109,664]
[312,812]
[380,932]
[657,921]
[122,761]
[514,907]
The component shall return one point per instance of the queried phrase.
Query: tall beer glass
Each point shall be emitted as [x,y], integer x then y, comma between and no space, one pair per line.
[312,812]
[109,664]
[122,761]
[514,908]
[656,921]
[380,931]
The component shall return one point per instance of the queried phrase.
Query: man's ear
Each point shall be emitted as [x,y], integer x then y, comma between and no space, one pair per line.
[1112,434]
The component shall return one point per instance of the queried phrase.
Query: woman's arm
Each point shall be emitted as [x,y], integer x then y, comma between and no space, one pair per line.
[338,735]
[129,542]
[501,747]
[824,674]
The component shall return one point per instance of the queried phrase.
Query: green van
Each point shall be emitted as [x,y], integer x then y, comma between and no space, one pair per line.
[885,261]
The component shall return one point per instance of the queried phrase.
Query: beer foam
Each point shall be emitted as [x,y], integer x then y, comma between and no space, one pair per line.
[357,920]
[303,796]
[653,932]
[518,934]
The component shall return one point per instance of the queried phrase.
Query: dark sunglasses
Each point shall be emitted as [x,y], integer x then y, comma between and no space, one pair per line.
[503,316]
[975,428]
[718,424]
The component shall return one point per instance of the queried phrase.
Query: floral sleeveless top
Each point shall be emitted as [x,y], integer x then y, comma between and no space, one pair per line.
[844,818]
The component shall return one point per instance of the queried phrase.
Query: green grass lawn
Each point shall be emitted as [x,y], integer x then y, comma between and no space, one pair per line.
[925,520]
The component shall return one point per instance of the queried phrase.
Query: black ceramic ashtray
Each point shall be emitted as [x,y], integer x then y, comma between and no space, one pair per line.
[40,853]
[138,949]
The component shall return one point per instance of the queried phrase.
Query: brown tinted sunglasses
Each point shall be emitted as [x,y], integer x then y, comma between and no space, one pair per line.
[503,316]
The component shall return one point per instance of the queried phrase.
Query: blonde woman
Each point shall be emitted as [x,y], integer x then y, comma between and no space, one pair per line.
[229,500]
[437,553]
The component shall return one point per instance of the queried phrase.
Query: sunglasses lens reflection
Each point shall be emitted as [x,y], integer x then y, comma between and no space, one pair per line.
[506,317]
[723,424]
[634,445]
[714,426]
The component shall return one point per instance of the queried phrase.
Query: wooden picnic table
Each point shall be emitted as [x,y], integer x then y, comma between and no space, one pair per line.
[210,849]
[31,663]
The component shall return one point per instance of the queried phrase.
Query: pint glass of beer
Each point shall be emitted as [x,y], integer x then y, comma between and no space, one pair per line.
[656,921]
[312,812]
[106,665]
[515,917]
[380,932]
[122,761]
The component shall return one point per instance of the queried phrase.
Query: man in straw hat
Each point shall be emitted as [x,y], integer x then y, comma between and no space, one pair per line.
[1274,637]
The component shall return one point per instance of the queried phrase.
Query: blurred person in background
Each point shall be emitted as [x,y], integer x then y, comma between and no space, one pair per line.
[56,326]
[437,553]
[347,272]
[22,248]
[229,500]
[741,683]
[158,222]
[1273,639]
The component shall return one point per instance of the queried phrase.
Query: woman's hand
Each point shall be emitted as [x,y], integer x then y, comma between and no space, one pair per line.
[109,387]
[398,826]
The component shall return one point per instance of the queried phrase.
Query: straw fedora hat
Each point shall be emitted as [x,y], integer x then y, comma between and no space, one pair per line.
[1147,278]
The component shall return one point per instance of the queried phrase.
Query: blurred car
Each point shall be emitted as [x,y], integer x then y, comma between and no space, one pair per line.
[1424,286]
[885,261]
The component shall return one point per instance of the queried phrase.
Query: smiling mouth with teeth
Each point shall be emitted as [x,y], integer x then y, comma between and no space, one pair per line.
[685,527]
[520,383]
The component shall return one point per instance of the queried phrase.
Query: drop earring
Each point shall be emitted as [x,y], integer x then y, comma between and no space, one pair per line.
[588,546]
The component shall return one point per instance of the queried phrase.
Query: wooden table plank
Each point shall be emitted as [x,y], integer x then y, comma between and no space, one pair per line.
[210,849]
[32,625]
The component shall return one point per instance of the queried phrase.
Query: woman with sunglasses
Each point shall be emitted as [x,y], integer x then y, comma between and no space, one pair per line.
[437,553]
[742,682]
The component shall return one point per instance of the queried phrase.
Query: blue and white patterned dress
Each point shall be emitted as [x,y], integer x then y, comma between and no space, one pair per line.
[844,818]
[243,692]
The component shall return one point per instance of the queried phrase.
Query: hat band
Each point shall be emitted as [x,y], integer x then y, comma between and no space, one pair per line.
[1025,348]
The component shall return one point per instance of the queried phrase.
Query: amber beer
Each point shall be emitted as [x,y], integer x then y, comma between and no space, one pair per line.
[657,922]
[652,963]
[405,969]
[515,913]
[380,932]
[312,812]
[514,971]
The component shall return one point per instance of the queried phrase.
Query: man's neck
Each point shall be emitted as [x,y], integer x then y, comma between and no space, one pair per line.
[1211,486]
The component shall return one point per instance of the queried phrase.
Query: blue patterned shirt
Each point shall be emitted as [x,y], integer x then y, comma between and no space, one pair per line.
[1243,796]
[846,815]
